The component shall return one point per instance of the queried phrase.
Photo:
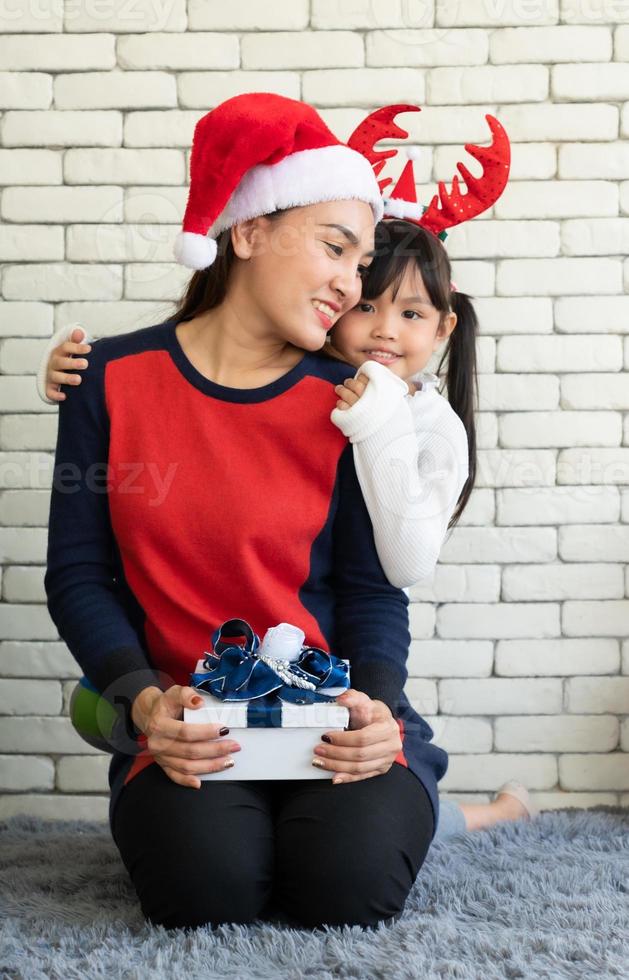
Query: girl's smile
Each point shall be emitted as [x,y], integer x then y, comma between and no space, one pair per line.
[381,355]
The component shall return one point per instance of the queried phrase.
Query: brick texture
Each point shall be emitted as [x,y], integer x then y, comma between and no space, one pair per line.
[518,657]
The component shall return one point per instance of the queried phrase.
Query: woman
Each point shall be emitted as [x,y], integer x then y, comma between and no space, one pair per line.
[142,568]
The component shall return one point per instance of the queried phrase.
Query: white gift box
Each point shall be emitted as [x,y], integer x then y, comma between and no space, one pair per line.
[284,752]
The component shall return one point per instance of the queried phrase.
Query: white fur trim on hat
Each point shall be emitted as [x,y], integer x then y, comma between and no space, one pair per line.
[194,251]
[397,208]
[328,173]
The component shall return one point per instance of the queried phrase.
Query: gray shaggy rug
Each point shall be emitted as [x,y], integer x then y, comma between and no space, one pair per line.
[548,899]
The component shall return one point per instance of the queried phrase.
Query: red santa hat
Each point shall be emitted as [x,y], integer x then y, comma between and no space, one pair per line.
[402,202]
[257,153]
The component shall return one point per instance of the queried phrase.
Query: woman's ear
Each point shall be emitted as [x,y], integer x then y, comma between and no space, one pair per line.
[246,237]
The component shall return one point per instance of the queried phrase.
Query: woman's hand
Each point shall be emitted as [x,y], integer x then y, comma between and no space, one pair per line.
[61,361]
[182,749]
[350,391]
[371,745]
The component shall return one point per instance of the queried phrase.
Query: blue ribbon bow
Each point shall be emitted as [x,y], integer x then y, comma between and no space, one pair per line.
[237,674]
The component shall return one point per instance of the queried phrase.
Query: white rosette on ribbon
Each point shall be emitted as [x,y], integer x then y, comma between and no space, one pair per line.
[282,644]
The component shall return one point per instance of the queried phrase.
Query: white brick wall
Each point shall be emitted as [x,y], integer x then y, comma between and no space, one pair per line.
[519,659]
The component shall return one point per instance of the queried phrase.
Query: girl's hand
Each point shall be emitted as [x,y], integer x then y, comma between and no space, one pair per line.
[350,391]
[371,745]
[183,749]
[61,365]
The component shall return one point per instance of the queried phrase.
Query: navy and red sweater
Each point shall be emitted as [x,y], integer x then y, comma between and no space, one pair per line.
[178,503]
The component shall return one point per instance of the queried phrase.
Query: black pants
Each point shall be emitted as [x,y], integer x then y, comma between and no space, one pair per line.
[314,852]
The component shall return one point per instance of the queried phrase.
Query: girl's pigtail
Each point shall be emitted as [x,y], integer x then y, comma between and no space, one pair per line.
[462,384]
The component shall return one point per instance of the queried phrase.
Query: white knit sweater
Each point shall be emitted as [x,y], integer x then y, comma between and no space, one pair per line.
[411,458]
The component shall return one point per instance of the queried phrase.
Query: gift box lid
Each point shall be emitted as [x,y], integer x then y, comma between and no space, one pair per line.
[240,714]
[268,711]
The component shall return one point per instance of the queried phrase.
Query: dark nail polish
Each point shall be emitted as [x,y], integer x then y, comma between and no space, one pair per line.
[326,738]
[223,731]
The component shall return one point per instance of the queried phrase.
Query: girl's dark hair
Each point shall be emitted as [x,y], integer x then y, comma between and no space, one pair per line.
[399,242]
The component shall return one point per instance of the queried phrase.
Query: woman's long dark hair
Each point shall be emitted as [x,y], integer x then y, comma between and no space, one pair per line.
[399,243]
[207,288]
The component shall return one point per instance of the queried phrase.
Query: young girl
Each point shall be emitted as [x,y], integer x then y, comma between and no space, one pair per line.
[414,450]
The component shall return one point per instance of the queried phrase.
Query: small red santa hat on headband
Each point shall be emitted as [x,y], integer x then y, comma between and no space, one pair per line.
[257,153]
[449,207]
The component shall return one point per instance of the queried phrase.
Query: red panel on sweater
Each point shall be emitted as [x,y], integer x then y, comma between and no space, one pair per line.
[253,524]
[400,757]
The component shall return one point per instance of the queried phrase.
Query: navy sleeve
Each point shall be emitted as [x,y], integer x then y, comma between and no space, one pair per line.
[83,596]
[371,615]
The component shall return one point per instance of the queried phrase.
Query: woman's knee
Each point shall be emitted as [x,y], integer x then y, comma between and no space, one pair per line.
[371,891]
[351,858]
[193,911]
[195,857]
[212,892]
[360,880]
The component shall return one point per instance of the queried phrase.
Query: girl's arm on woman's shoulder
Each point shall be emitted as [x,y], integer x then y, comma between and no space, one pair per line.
[371,615]
[411,460]
[83,597]
[57,365]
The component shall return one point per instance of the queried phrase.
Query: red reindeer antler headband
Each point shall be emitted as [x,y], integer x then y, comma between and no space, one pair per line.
[447,208]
